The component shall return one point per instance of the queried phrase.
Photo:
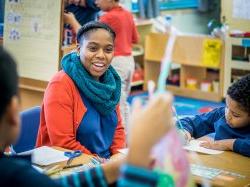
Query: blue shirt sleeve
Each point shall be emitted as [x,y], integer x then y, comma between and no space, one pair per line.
[130,176]
[137,177]
[90,177]
[242,146]
[203,124]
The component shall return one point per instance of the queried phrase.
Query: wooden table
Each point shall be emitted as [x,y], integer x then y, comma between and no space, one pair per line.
[228,161]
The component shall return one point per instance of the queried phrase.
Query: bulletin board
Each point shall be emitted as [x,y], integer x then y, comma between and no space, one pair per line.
[32,34]
[236,13]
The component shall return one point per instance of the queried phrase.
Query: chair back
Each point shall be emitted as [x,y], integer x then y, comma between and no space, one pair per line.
[30,120]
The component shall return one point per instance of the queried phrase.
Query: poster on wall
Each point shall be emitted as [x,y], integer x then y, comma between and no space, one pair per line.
[241,9]
[32,35]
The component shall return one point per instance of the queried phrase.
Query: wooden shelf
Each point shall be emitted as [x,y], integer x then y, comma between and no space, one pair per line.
[143,22]
[236,41]
[33,88]
[137,83]
[237,64]
[196,94]
[187,54]
[198,65]
[230,64]
[33,85]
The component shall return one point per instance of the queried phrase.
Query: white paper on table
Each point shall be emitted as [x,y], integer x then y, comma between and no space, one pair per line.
[123,151]
[194,145]
[45,155]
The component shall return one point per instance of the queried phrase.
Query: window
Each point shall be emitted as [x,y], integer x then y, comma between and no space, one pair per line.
[169,4]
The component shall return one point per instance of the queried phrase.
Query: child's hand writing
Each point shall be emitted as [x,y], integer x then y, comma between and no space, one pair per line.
[185,136]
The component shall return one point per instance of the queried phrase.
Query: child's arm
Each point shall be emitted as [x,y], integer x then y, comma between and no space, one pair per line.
[203,124]
[70,19]
[241,146]
[223,145]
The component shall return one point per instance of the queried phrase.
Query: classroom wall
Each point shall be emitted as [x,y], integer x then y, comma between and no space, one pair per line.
[233,23]
[190,21]
[195,20]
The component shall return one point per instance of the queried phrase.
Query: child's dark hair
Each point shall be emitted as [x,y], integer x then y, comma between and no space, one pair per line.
[8,80]
[93,26]
[240,92]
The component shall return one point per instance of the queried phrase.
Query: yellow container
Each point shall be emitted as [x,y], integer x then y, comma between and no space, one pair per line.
[192,83]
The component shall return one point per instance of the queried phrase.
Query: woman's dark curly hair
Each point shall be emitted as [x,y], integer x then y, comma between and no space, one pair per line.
[93,26]
[240,92]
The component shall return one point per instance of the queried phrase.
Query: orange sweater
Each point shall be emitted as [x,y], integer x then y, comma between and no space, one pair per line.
[61,114]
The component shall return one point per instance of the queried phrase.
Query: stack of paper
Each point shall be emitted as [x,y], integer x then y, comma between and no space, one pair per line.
[45,155]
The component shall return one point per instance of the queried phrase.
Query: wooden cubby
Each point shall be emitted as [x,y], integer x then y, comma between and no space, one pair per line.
[236,47]
[187,53]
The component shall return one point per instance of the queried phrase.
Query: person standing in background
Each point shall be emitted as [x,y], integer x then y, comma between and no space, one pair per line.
[79,12]
[122,22]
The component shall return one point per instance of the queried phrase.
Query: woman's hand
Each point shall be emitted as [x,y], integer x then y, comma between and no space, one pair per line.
[117,156]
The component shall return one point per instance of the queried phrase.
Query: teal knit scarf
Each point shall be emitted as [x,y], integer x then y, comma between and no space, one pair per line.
[104,95]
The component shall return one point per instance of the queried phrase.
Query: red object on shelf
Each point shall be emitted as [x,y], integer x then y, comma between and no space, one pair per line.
[243,34]
[138,75]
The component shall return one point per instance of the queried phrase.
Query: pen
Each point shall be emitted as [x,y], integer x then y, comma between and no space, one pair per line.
[72,166]
[177,118]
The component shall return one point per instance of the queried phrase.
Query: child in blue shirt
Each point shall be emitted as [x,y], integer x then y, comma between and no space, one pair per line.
[231,124]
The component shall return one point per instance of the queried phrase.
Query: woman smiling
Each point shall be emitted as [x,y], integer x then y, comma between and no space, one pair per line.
[80,109]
